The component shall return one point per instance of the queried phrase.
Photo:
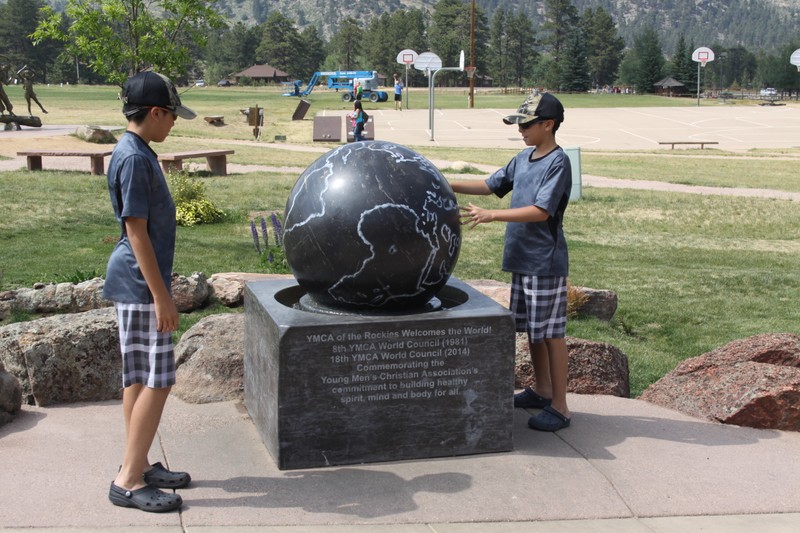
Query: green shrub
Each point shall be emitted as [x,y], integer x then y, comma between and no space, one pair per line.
[191,205]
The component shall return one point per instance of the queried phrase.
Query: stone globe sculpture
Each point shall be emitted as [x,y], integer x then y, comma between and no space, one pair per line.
[372,225]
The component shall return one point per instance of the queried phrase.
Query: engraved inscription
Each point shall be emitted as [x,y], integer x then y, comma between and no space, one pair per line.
[403,364]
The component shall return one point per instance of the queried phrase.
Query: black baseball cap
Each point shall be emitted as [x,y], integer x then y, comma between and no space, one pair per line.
[537,107]
[151,89]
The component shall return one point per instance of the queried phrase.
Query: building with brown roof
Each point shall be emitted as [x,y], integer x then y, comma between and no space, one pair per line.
[263,73]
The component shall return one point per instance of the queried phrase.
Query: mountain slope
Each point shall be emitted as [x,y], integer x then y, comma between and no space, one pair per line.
[754,24]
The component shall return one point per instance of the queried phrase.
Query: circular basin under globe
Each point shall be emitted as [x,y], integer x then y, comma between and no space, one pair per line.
[372,225]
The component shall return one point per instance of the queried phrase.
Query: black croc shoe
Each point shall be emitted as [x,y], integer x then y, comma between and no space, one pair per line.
[529,399]
[549,420]
[147,498]
[160,477]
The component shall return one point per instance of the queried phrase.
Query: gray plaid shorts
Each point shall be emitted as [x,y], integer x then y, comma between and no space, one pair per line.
[539,306]
[148,356]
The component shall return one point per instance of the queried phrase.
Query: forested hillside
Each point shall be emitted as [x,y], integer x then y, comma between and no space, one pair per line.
[569,45]
[753,24]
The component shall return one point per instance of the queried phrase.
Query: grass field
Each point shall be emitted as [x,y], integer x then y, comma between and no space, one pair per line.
[691,272]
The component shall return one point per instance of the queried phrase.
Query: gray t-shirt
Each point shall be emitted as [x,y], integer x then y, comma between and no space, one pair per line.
[138,189]
[536,248]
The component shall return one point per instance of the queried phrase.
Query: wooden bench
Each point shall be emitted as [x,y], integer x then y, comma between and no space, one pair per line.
[217,160]
[701,143]
[215,120]
[96,158]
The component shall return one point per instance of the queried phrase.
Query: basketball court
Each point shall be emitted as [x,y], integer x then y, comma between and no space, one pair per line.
[734,127]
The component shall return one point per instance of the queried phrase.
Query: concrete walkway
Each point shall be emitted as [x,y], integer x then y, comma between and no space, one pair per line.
[623,466]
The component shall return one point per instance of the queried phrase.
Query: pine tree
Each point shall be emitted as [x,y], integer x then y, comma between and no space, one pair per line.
[688,73]
[498,44]
[280,45]
[521,48]
[561,18]
[449,33]
[344,46]
[603,46]
[650,61]
[575,66]
[18,19]
[678,63]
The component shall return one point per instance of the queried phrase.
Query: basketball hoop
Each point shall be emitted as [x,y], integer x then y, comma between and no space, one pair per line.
[470,71]
[702,56]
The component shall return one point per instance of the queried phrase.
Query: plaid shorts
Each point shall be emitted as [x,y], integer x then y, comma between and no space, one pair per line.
[148,356]
[539,306]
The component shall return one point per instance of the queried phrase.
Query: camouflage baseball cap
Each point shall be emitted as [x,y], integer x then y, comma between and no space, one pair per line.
[537,107]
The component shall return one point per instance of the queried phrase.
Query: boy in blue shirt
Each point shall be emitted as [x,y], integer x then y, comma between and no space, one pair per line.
[138,280]
[535,250]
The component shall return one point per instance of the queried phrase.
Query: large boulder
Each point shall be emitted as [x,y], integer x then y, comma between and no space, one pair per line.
[7,300]
[58,297]
[210,359]
[227,288]
[751,382]
[95,134]
[10,396]
[189,292]
[594,367]
[65,358]
[598,303]
[583,301]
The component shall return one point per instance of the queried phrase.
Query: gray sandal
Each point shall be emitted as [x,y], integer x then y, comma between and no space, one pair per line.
[148,498]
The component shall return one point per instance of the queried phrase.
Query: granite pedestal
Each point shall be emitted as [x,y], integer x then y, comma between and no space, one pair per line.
[329,389]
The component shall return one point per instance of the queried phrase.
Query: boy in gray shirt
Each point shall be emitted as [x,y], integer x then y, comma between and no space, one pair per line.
[138,281]
[535,252]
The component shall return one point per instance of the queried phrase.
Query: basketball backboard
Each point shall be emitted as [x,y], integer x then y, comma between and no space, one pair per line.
[795,59]
[428,60]
[407,57]
[703,55]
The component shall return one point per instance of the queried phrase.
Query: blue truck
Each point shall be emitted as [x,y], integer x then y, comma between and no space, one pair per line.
[344,80]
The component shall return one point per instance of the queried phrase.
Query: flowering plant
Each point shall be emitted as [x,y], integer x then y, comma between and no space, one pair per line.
[273,255]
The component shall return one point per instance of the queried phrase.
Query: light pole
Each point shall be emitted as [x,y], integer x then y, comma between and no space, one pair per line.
[472,57]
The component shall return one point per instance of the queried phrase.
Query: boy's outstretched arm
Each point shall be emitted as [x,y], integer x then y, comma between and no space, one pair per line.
[474,215]
[477,187]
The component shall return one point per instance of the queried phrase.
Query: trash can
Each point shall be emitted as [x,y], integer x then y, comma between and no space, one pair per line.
[574,154]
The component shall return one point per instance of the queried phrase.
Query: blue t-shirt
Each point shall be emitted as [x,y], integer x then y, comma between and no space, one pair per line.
[536,248]
[138,189]
[398,87]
